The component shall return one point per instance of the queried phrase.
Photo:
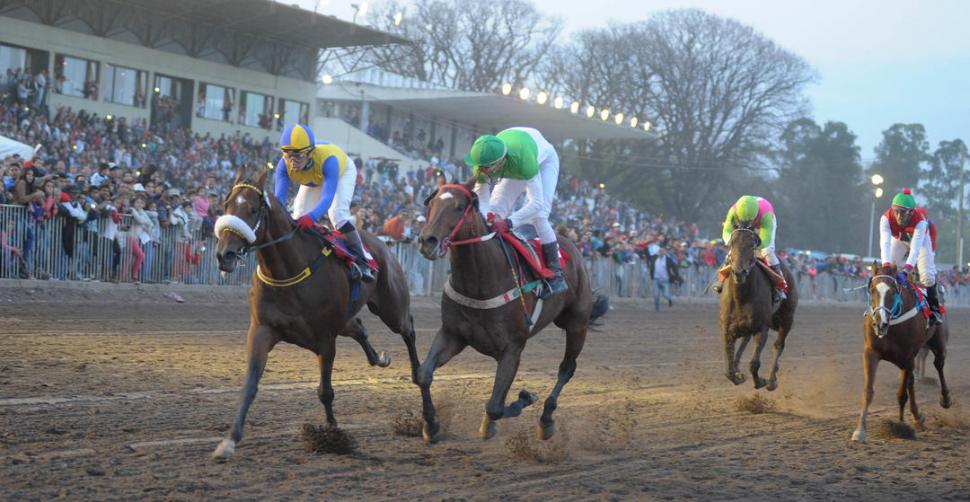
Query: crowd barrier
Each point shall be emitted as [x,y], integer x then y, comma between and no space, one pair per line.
[53,250]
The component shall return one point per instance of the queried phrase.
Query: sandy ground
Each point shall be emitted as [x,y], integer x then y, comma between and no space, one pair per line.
[123,394]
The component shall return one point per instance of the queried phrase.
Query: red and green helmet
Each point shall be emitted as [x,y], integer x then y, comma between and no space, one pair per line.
[904,199]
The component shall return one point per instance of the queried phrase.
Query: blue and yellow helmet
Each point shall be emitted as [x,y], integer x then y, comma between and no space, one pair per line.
[297,137]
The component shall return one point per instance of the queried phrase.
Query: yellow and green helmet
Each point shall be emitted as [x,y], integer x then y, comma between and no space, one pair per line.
[746,208]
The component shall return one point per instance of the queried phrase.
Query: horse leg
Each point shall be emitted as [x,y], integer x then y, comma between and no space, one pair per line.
[918,418]
[495,408]
[575,339]
[328,350]
[901,394]
[410,339]
[938,346]
[870,362]
[259,342]
[779,348]
[443,348]
[355,329]
[756,360]
[731,359]
[741,347]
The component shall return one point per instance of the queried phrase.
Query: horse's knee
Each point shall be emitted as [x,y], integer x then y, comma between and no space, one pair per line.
[424,376]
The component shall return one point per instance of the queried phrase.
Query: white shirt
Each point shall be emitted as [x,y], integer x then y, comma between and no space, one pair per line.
[660,269]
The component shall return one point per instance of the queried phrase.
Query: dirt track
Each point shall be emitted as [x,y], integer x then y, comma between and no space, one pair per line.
[124,396]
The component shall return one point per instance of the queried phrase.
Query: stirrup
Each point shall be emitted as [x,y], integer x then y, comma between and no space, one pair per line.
[780,296]
[717,288]
[935,318]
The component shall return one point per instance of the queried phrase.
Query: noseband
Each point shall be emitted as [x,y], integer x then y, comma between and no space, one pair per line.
[229,223]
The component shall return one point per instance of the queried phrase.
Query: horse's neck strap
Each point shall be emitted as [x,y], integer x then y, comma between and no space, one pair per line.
[298,278]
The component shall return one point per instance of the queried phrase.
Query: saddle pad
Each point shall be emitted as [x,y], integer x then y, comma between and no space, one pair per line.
[335,239]
[532,254]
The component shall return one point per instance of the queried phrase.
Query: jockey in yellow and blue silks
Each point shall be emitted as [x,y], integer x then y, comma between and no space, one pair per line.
[327,180]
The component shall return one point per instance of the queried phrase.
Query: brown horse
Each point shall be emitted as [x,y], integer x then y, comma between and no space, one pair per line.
[747,310]
[894,331]
[480,272]
[301,294]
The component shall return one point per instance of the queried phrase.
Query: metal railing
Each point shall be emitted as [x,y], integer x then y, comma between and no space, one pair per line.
[99,250]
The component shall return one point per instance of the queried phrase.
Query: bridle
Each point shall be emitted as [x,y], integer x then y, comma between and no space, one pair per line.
[757,242]
[449,242]
[264,204]
[891,312]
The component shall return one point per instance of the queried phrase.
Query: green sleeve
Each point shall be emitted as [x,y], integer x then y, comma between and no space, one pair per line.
[767,228]
[728,226]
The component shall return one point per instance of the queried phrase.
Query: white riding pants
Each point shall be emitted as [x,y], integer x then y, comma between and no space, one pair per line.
[309,196]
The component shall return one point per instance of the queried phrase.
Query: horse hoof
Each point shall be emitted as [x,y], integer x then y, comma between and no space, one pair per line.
[384,360]
[945,402]
[772,385]
[737,378]
[919,420]
[487,430]
[225,450]
[546,431]
[759,383]
[527,398]
[430,433]
[859,436]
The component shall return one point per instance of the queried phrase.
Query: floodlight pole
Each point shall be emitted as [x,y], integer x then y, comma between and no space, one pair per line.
[960,214]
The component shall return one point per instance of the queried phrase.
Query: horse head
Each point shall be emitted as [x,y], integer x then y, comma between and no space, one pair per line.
[246,208]
[885,300]
[450,208]
[744,241]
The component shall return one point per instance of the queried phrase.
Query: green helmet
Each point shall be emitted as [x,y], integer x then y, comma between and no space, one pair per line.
[904,199]
[486,151]
[746,208]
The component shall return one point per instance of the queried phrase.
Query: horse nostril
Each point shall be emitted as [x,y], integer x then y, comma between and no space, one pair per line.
[430,241]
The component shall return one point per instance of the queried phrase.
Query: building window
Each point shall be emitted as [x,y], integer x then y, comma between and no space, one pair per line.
[292,111]
[125,86]
[12,59]
[76,77]
[215,102]
[255,109]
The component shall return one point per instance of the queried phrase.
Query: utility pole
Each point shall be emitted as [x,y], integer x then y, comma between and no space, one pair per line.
[960,214]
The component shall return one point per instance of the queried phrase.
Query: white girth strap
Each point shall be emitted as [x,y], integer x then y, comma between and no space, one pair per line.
[500,300]
[911,313]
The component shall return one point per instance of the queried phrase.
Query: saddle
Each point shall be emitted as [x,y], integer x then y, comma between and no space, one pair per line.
[531,252]
[334,241]
[776,279]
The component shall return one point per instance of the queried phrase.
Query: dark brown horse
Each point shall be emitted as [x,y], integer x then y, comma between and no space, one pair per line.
[895,330]
[747,310]
[302,295]
[480,271]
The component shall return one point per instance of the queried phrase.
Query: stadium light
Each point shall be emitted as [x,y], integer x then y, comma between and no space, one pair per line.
[397,18]
[618,118]
[157,90]
[879,192]
[276,116]
[144,145]
[634,121]
[506,89]
[108,116]
[590,111]
[524,93]
[327,79]
[646,125]
[574,108]
[605,113]
[877,179]
[542,97]
[558,102]
[602,186]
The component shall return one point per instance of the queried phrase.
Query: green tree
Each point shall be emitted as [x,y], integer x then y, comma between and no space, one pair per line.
[941,191]
[900,156]
[822,201]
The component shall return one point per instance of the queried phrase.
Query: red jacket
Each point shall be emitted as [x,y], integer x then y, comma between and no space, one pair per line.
[905,234]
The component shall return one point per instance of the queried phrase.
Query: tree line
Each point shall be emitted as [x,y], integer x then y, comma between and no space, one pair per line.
[727,106]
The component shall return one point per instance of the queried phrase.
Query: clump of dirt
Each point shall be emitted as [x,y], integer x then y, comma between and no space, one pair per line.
[756,404]
[408,424]
[522,444]
[612,430]
[950,419]
[328,439]
[892,429]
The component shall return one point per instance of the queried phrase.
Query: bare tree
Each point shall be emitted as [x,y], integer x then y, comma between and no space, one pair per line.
[717,93]
[465,44]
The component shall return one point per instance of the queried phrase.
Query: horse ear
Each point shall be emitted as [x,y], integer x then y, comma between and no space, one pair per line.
[469,184]
[240,175]
[261,177]
[874,268]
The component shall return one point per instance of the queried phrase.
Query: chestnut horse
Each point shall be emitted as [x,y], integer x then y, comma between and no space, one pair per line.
[747,310]
[895,330]
[473,313]
[303,294]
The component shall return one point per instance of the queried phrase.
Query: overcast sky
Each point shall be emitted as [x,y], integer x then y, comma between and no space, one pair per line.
[880,62]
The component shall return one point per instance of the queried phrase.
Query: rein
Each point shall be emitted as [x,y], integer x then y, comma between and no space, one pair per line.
[896,316]
[449,242]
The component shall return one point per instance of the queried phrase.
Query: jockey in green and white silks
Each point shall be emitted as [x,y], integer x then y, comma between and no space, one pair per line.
[756,213]
[519,160]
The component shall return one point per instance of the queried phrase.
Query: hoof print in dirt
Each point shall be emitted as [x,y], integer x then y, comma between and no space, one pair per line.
[892,429]
[756,404]
[328,439]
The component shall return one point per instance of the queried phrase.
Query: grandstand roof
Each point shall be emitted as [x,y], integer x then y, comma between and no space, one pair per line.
[269,20]
[485,111]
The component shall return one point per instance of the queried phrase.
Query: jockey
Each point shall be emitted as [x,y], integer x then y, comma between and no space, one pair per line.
[757,214]
[516,160]
[327,180]
[906,228]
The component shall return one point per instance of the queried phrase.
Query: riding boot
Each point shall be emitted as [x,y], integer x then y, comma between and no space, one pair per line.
[558,283]
[722,275]
[780,288]
[935,317]
[352,240]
